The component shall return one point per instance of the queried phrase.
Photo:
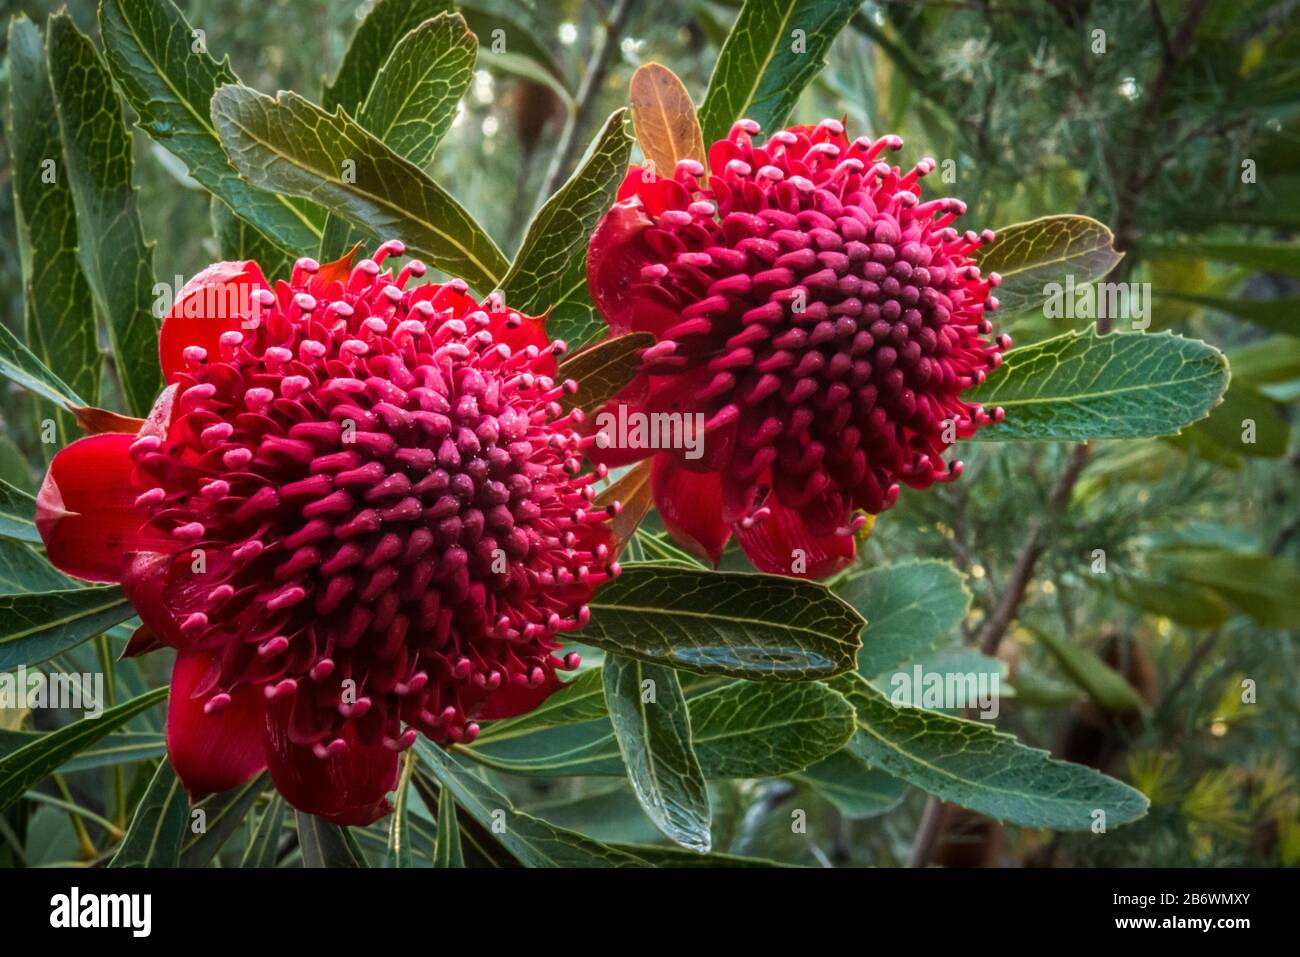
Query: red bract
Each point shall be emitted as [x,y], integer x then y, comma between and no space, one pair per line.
[355,512]
[820,317]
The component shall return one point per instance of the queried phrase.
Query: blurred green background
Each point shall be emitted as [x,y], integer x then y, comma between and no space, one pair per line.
[1196,169]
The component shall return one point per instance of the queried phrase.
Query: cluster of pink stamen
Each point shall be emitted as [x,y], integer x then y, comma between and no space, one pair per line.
[389,507]
[825,317]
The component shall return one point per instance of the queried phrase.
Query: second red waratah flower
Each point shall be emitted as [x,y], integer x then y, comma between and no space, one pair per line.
[357,514]
[819,318]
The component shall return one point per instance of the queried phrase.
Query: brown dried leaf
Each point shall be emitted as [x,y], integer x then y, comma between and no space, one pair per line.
[664,118]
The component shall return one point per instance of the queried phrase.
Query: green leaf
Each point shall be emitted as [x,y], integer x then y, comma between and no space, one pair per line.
[23,570]
[122,748]
[158,827]
[856,789]
[972,764]
[1281,258]
[660,548]
[1184,602]
[446,851]
[17,513]
[386,24]
[18,364]
[150,48]
[1031,256]
[326,845]
[117,262]
[1275,359]
[759,627]
[1226,426]
[398,851]
[582,699]
[741,730]
[413,101]
[1276,315]
[654,738]
[1102,683]
[264,847]
[223,813]
[1082,386]
[293,146]
[58,304]
[550,269]
[679,857]
[523,32]
[602,369]
[34,627]
[1260,586]
[745,729]
[910,608]
[30,764]
[764,64]
[532,840]
[237,240]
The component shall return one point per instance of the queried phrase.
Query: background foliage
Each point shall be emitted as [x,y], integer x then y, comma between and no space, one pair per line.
[1136,670]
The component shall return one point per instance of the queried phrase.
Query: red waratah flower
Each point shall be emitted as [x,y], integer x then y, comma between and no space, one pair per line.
[355,512]
[820,317]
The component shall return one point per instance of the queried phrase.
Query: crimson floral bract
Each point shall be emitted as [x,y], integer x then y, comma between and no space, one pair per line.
[821,318]
[357,514]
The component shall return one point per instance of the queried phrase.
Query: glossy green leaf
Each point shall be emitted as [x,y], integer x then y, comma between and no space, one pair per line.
[23,768]
[292,145]
[1082,386]
[24,570]
[759,627]
[398,851]
[603,368]
[910,608]
[972,764]
[34,627]
[530,839]
[412,102]
[124,747]
[19,364]
[58,304]
[856,789]
[117,262]
[652,728]
[742,730]
[326,845]
[550,269]
[169,78]
[159,826]
[774,49]
[384,26]
[746,729]
[223,812]
[447,851]
[264,847]
[17,514]
[1032,256]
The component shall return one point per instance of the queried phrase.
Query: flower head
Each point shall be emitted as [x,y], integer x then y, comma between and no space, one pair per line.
[821,319]
[355,511]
